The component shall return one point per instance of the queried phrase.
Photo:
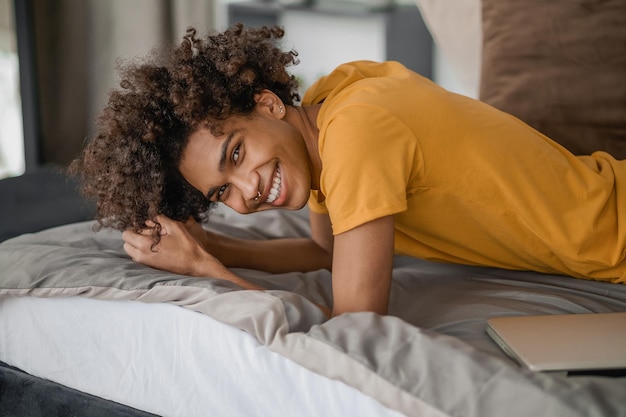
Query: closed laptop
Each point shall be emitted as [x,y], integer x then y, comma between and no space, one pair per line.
[569,342]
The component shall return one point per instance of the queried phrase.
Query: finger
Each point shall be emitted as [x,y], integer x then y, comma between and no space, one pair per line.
[127,235]
[152,225]
[138,240]
[164,220]
[146,232]
[168,225]
[130,250]
[140,248]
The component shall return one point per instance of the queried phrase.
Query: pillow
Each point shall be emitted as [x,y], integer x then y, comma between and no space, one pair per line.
[456,28]
[560,66]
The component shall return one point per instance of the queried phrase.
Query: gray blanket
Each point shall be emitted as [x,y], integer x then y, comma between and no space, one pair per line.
[430,356]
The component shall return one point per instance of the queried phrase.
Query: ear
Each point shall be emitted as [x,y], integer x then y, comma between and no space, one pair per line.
[270,103]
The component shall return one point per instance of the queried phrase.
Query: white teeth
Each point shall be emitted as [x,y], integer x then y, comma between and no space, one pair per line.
[275,191]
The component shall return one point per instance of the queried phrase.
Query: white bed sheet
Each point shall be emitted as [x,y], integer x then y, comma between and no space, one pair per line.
[166,360]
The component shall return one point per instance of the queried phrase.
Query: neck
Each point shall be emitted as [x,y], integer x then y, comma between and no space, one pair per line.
[304,118]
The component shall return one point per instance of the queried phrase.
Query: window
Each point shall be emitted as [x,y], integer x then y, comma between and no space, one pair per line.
[11,131]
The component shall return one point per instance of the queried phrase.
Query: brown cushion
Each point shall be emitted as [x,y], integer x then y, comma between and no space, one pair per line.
[560,66]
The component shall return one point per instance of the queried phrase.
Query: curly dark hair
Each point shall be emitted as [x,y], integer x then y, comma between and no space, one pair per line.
[130,166]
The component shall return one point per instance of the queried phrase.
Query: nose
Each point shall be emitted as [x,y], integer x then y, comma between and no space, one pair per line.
[248,186]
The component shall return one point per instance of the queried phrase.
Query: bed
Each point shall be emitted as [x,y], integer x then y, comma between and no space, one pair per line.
[76,311]
[84,331]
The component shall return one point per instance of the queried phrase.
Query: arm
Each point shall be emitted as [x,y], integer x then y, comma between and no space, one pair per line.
[275,255]
[362,267]
[362,260]
[182,250]
[190,250]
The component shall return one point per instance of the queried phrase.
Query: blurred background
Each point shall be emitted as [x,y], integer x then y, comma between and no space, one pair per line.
[58,62]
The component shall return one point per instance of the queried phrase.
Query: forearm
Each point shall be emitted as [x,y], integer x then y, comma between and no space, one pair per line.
[275,256]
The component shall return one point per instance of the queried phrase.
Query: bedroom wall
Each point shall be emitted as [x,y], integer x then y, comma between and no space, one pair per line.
[78,43]
[342,34]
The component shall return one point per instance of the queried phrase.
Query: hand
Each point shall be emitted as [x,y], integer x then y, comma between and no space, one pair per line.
[178,251]
[211,242]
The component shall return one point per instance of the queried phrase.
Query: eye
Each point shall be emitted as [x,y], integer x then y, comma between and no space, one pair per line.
[221,191]
[236,153]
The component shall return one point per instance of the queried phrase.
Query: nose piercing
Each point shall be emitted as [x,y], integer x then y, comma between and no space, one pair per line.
[258,195]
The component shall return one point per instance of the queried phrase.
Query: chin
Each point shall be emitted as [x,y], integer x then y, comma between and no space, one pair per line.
[290,207]
[297,205]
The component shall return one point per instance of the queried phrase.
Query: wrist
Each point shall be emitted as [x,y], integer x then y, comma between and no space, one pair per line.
[204,264]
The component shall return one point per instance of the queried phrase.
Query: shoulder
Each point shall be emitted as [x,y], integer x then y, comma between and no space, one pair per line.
[364,129]
[353,76]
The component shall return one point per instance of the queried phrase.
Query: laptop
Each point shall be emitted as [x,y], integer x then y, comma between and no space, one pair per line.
[564,342]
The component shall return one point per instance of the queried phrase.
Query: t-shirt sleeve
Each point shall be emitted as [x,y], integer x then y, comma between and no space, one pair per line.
[368,158]
[315,204]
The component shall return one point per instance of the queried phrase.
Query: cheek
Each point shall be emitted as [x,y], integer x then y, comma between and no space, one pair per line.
[236,204]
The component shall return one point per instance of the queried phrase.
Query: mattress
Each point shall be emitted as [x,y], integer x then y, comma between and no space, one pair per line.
[166,360]
[75,310]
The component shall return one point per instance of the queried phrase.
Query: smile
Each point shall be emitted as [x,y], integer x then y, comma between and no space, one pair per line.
[275,191]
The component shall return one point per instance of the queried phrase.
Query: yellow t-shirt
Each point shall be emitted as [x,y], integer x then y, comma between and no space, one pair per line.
[466,183]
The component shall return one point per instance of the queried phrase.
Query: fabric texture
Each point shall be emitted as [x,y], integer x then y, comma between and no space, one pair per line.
[430,357]
[466,182]
[559,66]
[25,395]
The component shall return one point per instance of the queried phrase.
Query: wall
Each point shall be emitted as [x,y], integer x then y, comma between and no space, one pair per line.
[78,44]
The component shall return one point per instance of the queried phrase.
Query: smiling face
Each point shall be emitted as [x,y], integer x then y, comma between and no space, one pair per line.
[258,162]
